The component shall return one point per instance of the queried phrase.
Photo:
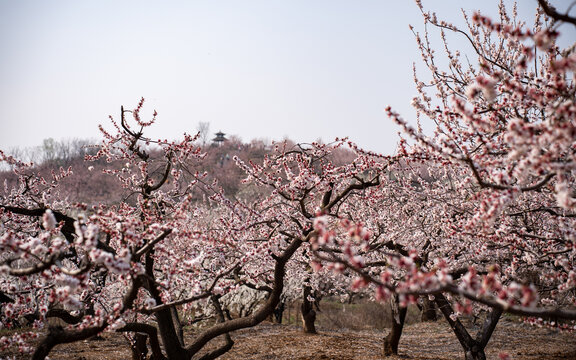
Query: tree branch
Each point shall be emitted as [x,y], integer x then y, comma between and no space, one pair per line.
[551,11]
[262,313]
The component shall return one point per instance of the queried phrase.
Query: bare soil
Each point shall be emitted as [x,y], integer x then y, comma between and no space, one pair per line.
[426,341]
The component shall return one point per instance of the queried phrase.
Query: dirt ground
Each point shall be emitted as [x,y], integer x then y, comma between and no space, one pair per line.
[430,341]
[426,341]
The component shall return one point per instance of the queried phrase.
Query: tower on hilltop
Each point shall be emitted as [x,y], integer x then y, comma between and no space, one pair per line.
[219,139]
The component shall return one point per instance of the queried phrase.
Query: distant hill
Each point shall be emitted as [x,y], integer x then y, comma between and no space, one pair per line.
[90,185]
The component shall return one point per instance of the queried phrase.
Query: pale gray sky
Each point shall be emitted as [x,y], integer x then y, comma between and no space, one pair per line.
[303,69]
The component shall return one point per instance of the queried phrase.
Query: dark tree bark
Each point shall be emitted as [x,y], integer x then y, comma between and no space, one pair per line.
[151,333]
[308,312]
[64,316]
[554,14]
[5,298]
[392,340]
[57,335]
[473,347]
[228,339]
[428,310]
[279,311]
[138,347]
[168,332]
[177,324]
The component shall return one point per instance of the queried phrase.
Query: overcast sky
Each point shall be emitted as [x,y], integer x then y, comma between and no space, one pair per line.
[303,69]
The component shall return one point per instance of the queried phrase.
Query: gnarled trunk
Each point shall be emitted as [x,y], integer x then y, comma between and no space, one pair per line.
[138,347]
[473,347]
[308,312]
[177,325]
[259,315]
[165,319]
[392,340]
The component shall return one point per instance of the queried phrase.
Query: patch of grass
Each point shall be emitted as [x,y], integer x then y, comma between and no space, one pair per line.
[357,316]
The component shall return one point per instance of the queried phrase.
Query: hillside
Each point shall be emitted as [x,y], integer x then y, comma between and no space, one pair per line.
[90,185]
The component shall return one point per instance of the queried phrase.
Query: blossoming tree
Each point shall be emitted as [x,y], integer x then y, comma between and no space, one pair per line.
[126,266]
[142,264]
[482,210]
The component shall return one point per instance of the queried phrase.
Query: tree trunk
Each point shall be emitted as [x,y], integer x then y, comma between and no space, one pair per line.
[214,354]
[428,310]
[473,348]
[164,319]
[279,312]
[139,349]
[308,312]
[202,338]
[177,325]
[392,340]
[150,333]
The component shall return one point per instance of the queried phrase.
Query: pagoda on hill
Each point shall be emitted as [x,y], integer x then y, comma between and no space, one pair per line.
[219,139]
